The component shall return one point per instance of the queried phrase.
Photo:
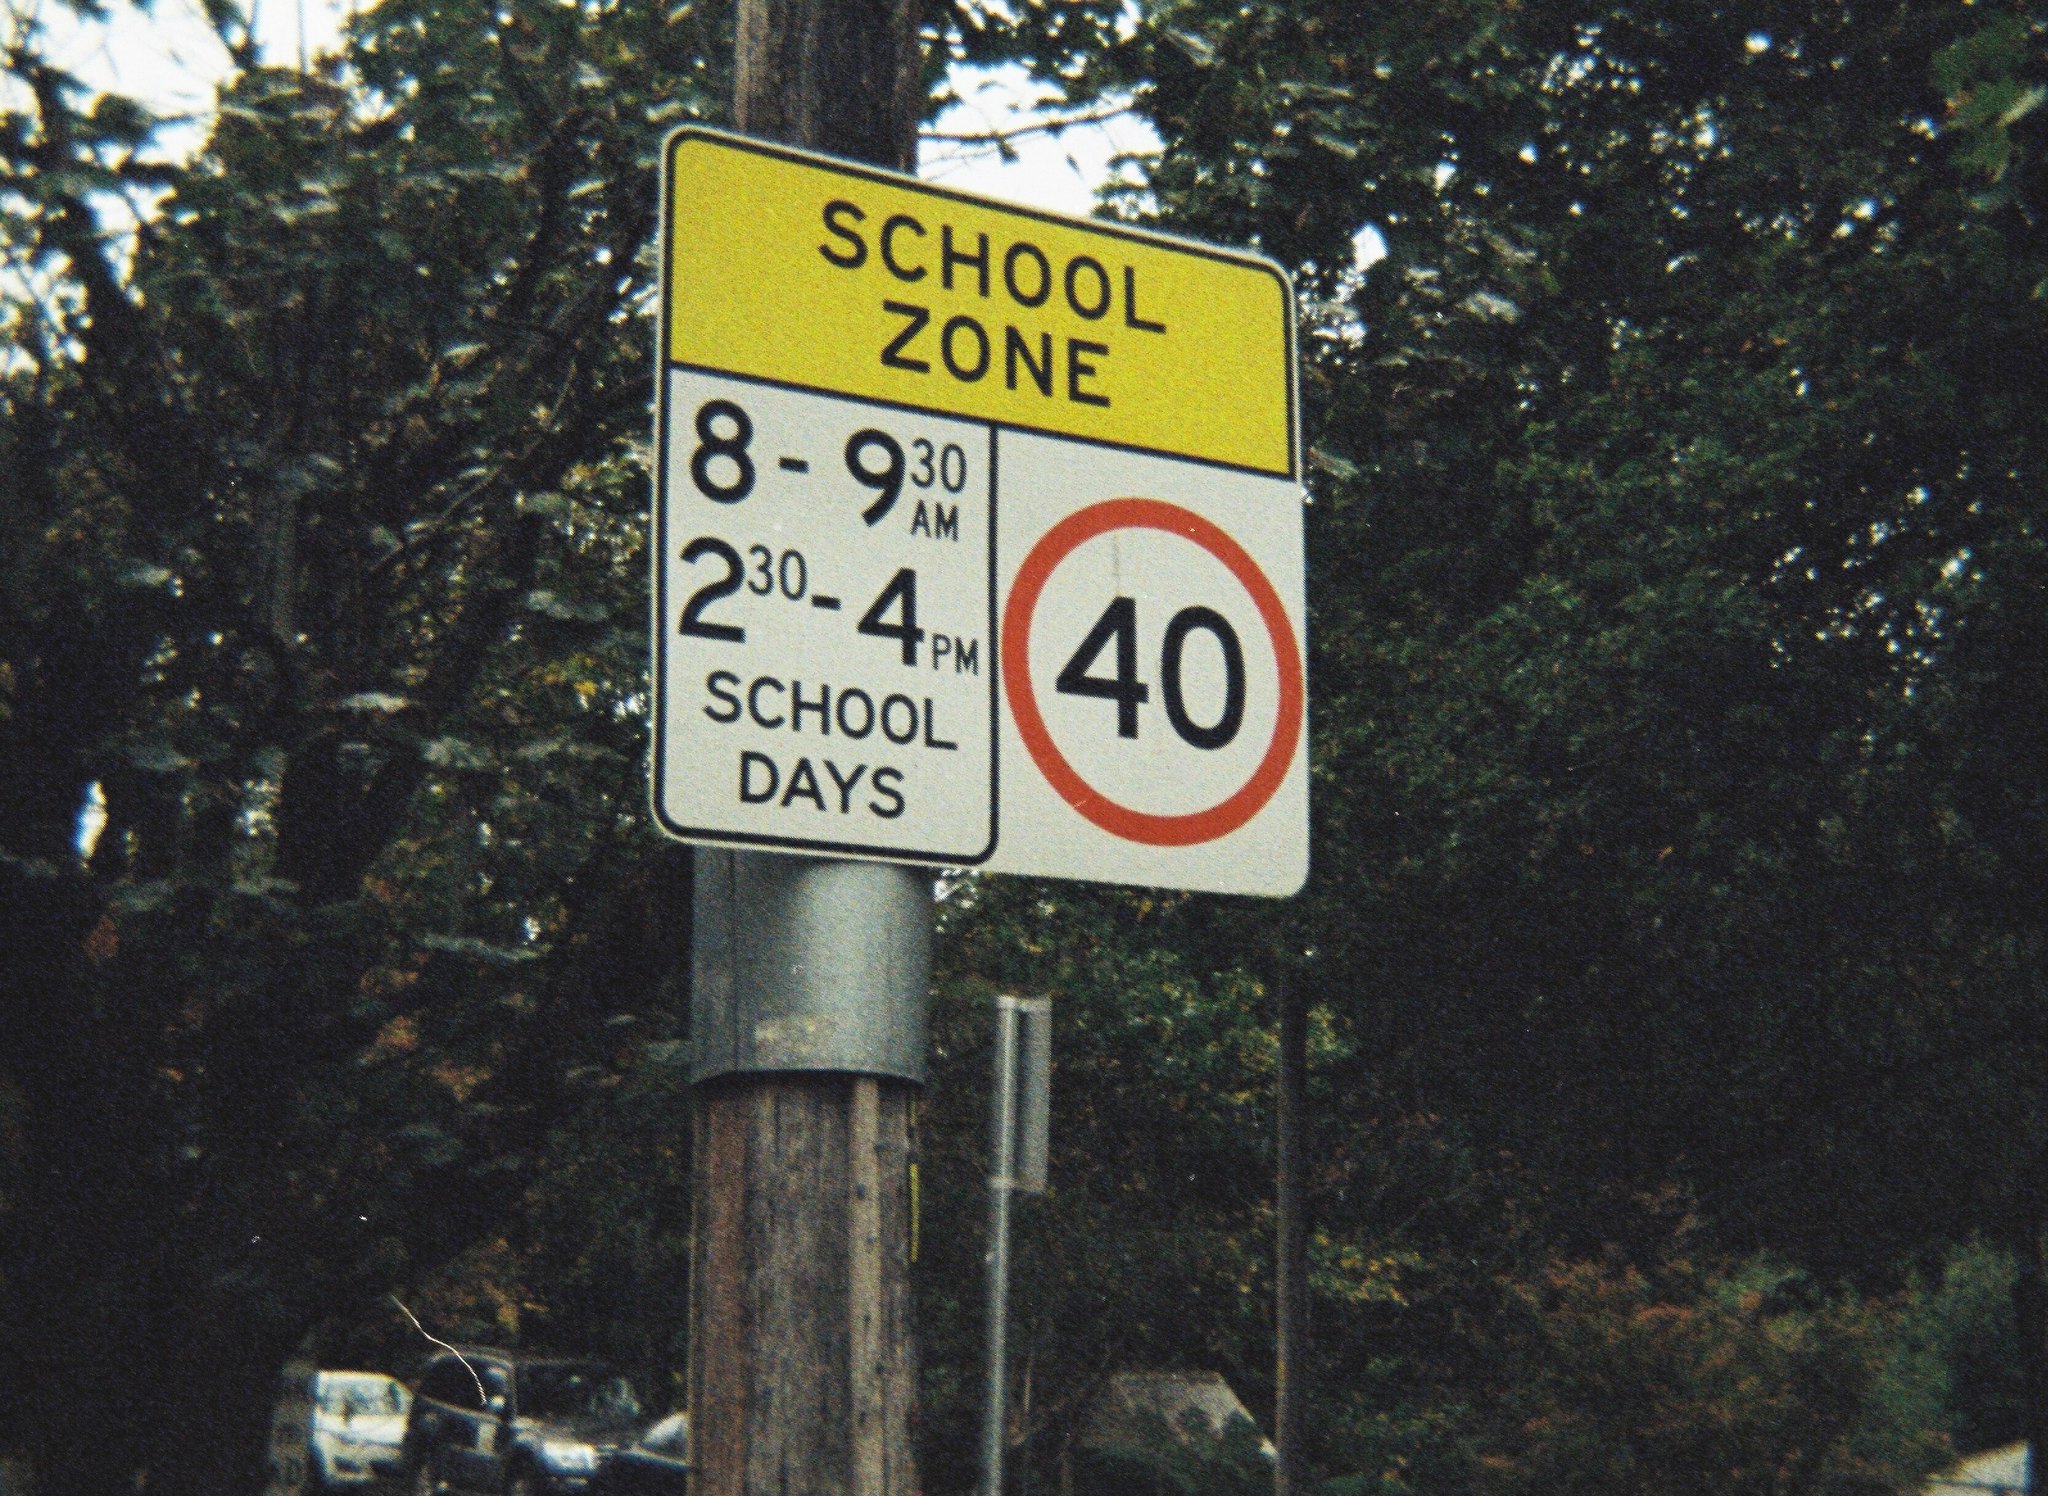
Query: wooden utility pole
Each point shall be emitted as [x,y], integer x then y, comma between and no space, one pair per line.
[802,1362]
[839,76]
[803,1365]
[1291,1285]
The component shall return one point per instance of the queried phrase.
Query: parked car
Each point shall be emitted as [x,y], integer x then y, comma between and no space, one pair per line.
[653,1464]
[358,1427]
[498,1421]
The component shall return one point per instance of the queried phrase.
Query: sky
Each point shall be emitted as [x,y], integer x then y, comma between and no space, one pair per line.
[167,54]
[1061,173]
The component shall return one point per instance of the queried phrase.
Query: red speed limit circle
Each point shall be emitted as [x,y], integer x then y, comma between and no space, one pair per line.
[1235,809]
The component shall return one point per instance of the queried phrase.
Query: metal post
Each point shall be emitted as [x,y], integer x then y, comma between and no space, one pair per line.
[1018,1136]
[1291,1327]
[1002,1156]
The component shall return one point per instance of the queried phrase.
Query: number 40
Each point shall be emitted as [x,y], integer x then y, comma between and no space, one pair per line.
[1118,625]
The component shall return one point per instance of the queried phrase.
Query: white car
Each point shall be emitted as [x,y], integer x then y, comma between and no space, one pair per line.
[358,1427]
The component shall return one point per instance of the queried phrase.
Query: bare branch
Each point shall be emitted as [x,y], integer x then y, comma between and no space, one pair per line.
[1042,127]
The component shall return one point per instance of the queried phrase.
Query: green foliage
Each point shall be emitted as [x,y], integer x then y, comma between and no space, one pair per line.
[1992,81]
[1685,1381]
[1656,530]
[324,571]
[1150,1250]
[1675,570]
[1963,1321]
[592,1258]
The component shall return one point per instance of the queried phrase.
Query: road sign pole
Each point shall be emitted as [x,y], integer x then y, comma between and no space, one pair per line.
[1291,1327]
[1002,1157]
[809,991]
[1018,1120]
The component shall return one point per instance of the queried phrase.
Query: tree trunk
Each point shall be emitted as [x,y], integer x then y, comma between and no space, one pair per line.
[835,75]
[1291,1278]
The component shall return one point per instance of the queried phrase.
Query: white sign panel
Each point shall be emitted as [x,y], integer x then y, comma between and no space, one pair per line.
[978,533]
[827,678]
[1152,670]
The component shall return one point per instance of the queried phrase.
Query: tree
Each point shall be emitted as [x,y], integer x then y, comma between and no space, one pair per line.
[324,592]
[1672,559]
[1661,578]
[1689,1382]
[323,580]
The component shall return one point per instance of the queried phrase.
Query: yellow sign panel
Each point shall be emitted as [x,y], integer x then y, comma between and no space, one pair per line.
[808,271]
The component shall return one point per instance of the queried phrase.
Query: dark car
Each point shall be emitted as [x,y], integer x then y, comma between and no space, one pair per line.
[653,1464]
[497,1421]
